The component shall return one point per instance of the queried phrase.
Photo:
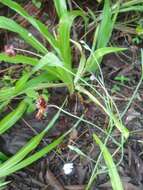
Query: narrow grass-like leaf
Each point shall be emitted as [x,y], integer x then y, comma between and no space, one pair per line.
[32,158]
[112,170]
[3,105]
[8,166]
[77,150]
[40,153]
[20,85]
[36,23]
[132,8]
[93,60]
[131,3]
[30,61]
[81,66]
[61,7]
[64,31]
[112,116]
[9,24]
[44,77]
[32,144]
[9,120]
[50,59]
[3,157]
[80,69]
[19,59]
[3,184]
[6,93]
[106,26]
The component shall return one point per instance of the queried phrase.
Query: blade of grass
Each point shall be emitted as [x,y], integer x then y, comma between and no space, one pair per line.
[9,24]
[6,93]
[112,116]
[9,120]
[64,31]
[32,144]
[92,63]
[106,26]
[112,170]
[49,59]
[3,105]
[3,157]
[81,66]
[19,59]
[40,153]
[61,7]
[133,8]
[36,23]
[3,184]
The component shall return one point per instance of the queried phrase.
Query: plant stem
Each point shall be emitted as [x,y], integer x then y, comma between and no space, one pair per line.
[112,116]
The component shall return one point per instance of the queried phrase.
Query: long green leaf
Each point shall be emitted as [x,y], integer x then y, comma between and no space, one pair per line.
[64,31]
[3,157]
[132,8]
[6,93]
[19,59]
[20,85]
[49,59]
[106,26]
[36,23]
[9,24]
[9,120]
[93,60]
[32,158]
[32,144]
[29,61]
[61,7]
[112,170]
[27,161]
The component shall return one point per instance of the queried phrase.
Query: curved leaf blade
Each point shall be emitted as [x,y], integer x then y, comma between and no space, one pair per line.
[112,170]
[9,120]
[9,24]
[93,62]
[36,23]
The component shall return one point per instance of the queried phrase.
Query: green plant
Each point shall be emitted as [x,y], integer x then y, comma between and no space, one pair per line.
[122,79]
[58,63]
[48,67]
[112,170]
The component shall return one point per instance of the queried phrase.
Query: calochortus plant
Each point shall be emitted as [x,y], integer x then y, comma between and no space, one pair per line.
[57,64]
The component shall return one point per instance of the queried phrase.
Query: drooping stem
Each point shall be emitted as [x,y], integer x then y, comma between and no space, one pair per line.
[113,116]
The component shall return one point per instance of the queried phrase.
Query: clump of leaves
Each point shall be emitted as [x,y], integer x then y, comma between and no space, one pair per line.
[48,67]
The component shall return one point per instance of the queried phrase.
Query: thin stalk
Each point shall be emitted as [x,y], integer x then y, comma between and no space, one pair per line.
[85,121]
[112,116]
[29,52]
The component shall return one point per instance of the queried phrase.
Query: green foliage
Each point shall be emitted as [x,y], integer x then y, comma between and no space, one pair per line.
[112,170]
[48,67]
[9,120]
[37,3]
[122,79]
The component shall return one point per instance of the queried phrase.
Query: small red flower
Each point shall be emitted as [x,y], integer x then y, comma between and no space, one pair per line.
[9,50]
[41,104]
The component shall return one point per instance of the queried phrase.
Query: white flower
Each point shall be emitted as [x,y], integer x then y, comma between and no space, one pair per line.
[68,168]
[92,77]
[29,34]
